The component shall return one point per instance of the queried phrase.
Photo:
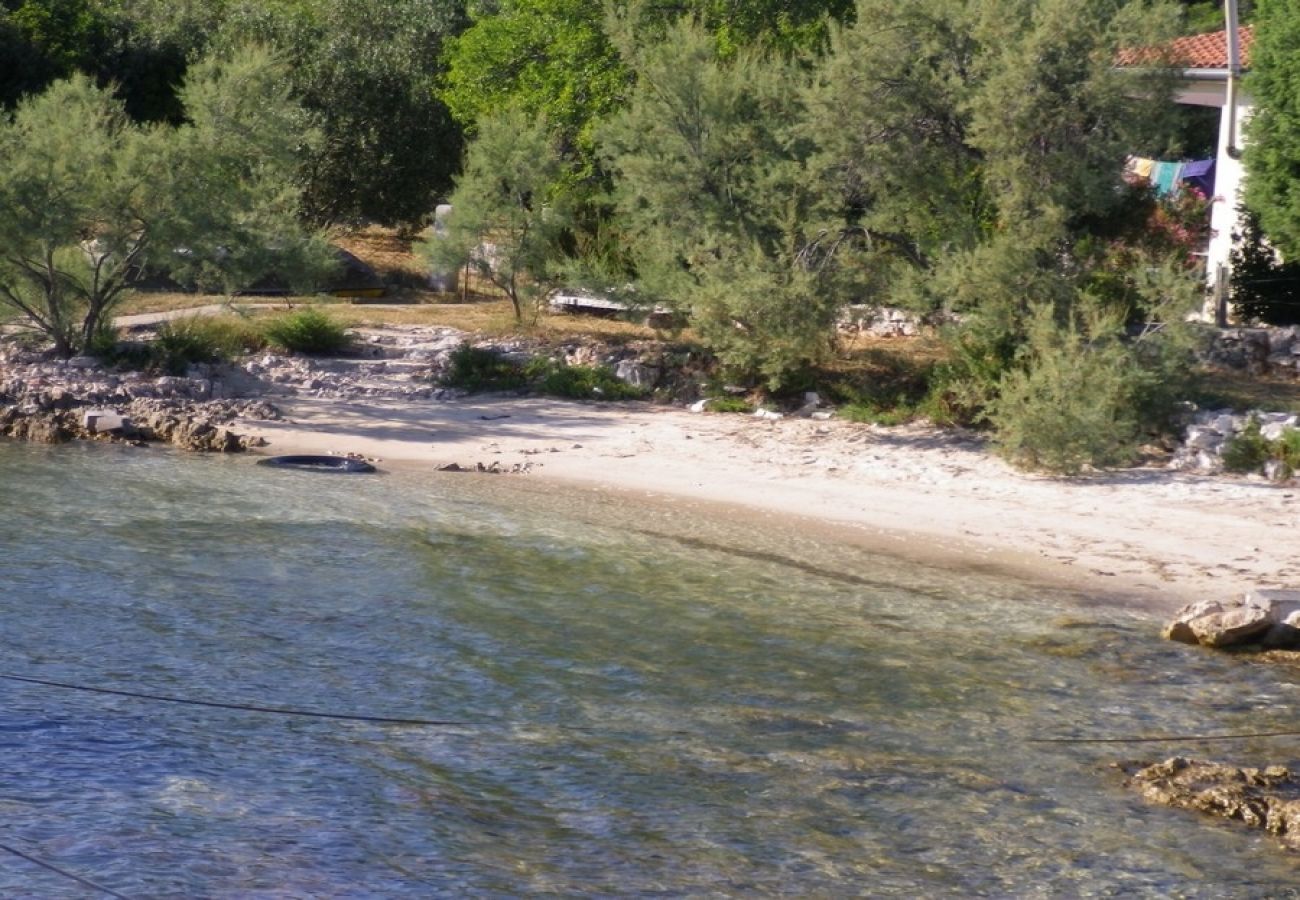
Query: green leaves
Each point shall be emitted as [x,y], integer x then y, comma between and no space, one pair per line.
[509,210]
[89,201]
[546,57]
[1272,188]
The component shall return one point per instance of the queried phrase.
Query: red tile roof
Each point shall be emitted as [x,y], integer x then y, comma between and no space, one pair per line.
[1198,51]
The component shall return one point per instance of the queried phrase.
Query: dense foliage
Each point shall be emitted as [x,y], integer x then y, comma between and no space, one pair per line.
[307,331]
[91,203]
[1264,287]
[365,71]
[755,167]
[1273,147]
[509,211]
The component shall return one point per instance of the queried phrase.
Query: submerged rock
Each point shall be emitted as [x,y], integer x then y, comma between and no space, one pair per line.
[1267,798]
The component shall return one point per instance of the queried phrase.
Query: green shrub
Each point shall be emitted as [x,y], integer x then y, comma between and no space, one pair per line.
[1086,393]
[579,382]
[875,414]
[1287,449]
[307,331]
[1264,288]
[730,405]
[103,343]
[892,395]
[1247,450]
[179,344]
[184,342]
[476,369]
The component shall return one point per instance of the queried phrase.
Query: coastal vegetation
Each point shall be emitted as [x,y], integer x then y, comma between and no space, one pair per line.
[92,203]
[747,173]
[481,369]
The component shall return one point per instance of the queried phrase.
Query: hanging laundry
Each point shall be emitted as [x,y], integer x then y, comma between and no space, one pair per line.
[1200,175]
[1165,177]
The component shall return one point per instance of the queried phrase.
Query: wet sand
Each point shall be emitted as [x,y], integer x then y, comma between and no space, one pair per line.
[1160,537]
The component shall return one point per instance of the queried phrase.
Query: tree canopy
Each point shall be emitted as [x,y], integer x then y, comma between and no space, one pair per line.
[1272,187]
[91,202]
[509,210]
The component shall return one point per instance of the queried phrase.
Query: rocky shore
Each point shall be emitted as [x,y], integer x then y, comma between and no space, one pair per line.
[1266,798]
[49,400]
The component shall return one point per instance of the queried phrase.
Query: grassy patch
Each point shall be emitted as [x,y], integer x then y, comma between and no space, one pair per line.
[883,382]
[476,369]
[725,404]
[1226,389]
[181,343]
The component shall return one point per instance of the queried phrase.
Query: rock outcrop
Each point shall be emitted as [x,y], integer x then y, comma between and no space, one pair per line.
[1269,618]
[1267,798]
[1209,433]
[53,401]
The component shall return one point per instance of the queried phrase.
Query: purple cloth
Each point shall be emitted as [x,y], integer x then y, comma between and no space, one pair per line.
[1200,175]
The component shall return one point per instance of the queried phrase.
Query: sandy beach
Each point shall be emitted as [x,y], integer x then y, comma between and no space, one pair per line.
[1159,537]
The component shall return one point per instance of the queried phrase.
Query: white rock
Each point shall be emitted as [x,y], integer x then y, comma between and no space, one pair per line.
[1200,438]
[1277,471]
[1282,606]
[1226,423]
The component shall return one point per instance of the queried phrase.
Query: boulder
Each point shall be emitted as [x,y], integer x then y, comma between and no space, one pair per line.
[1257,616]
[636,374]
[1231,627]
[1180,628]
[101,421]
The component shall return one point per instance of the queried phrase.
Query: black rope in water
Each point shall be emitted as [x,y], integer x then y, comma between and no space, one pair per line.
[73,876]
[246,707]
[1166,739]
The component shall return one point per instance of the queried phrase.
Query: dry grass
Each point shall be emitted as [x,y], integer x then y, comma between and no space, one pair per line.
[478,309]
[387,252]
[1238,390]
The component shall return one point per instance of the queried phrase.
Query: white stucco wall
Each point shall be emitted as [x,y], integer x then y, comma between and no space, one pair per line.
[1229,173]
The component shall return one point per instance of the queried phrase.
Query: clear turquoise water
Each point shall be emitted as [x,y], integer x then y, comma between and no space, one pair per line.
[659,704]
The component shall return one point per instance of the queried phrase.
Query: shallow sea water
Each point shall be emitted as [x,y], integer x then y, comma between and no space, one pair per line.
[654,703]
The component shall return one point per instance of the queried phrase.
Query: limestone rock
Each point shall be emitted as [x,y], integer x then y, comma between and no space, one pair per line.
[1267,798]
[1180,628]
[1265,615]
[1232,626]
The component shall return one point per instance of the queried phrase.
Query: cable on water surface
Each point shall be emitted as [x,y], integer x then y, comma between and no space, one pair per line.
[72,876]
[1165,738]
[247,707]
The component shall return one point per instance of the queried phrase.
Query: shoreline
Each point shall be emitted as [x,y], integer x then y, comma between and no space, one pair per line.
[1150,538]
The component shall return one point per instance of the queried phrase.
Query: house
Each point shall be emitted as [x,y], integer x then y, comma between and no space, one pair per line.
[1207,76]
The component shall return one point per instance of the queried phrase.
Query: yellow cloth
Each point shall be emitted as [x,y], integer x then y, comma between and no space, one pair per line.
[1142,167]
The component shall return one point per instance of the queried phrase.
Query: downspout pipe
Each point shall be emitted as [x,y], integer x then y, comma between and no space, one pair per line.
[1233,35]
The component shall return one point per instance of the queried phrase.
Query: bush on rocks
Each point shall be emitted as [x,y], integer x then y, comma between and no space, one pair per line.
[1251,450]
[559,379]
[307,331]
